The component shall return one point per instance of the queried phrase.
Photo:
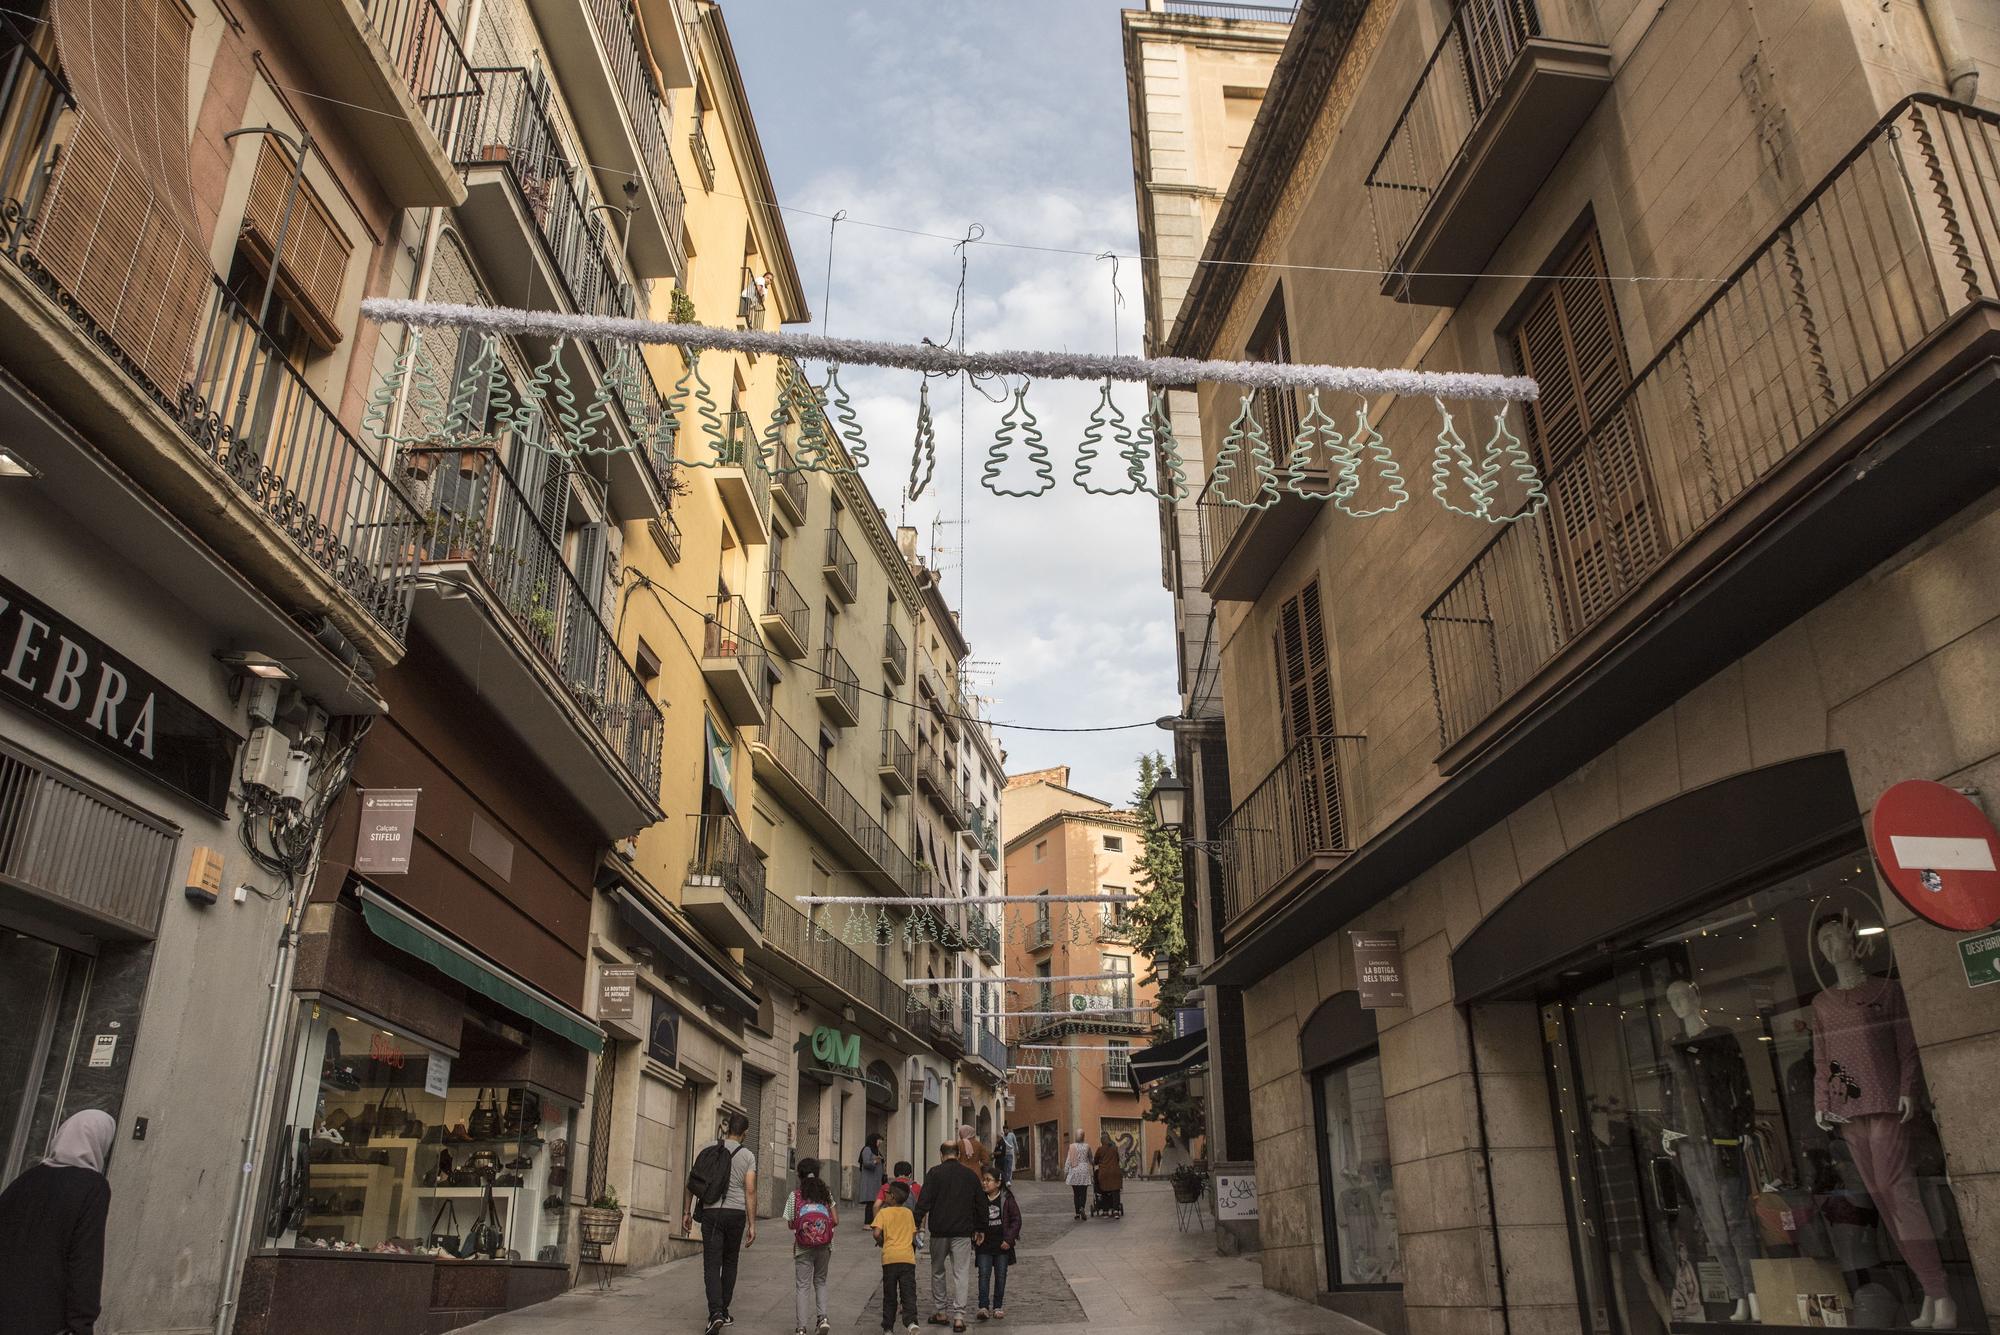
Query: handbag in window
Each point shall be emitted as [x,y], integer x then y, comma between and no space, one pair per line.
[436,1236]
[484,1123]
[485,1237]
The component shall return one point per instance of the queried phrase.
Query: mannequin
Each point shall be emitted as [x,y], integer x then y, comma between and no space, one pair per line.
[1864,1090]
[1709,1109]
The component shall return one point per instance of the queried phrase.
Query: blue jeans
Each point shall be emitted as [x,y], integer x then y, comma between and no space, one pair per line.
[993,1270]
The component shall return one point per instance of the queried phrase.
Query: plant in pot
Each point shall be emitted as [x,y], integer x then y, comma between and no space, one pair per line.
[1189,1183]
[599,1221]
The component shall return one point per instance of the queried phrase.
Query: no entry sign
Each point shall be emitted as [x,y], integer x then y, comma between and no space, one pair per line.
[1939,853]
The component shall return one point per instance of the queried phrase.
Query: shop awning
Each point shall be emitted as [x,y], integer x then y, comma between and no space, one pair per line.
[678,955]
[413,936]
[1173,1057]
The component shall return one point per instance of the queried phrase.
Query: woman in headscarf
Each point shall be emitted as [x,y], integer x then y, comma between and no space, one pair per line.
[1110,1175]
[971,1152]
[52,1232]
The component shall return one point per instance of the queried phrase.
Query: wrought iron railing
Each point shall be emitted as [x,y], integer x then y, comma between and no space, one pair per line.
[1219,9]
[1900,237]
[895,653]
[647,109]
[704,156]
[840,565]
[984,825]
[723,856]
[480,515]
[1458,84]
[836,676]
[730,631]
[1309,805]
[784,601]
[753,303]
[992,1051]
[743,451]
[790,482]
[798,758]
[814,945]
[425,51]
[896,755]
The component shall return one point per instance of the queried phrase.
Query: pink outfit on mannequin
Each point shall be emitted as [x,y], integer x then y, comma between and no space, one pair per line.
[1881,1144]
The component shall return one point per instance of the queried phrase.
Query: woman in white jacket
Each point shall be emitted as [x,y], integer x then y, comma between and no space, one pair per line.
[1076,1171]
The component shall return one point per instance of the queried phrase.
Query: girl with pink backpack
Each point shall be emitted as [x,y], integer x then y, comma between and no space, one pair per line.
[812,1218]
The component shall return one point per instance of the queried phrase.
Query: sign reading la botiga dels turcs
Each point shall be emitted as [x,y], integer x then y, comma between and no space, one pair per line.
[54,667]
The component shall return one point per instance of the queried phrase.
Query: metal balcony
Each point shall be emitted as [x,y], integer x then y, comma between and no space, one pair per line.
[895,655]
[938,1024]
[753,303]
[704,156]
[1299,821]
[838,689]
[734,661]
[809,954]
[793,769]
[786,620]
[788,488]
[1497,104]
[992,1051]
[744,483]
[941,786]
[898,765]
[724,891]
[843,572]
[985,828]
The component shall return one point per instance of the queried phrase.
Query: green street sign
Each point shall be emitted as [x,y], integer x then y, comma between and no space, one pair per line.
[1981,957]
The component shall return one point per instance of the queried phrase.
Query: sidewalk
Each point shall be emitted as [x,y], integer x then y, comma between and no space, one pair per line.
[1131,1275]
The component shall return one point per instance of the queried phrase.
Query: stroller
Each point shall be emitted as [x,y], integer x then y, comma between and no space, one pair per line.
[1098,1207]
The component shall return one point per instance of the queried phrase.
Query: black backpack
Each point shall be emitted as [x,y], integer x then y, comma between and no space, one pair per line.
[708,1180]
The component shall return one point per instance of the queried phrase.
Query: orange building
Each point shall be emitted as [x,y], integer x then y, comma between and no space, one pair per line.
[1063,842]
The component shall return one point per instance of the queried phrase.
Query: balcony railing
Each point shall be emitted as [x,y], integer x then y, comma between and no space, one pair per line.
[895,655]
[1220,9]
[785,605]
[704,156]
[722,854]
[480,515]
[897,758]
[798,758]
[1896,241]
[731,632]
[646,108]
[424,49]
[245,408]
[992,1051]
[1303,816]
[788,485]
[753,304]
[815,947]
[839,688]
[984,825]
[753,508]
[842,570]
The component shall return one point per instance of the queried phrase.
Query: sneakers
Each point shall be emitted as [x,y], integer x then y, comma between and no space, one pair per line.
[913,1329]
[825,1326]
[715,1324]
[983,1315]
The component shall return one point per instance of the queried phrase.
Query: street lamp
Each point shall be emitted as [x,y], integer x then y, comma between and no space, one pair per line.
[1169,802]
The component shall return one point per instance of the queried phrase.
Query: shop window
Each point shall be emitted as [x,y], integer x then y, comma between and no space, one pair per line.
[1357,1194]
[1745,1122]
[371,1160]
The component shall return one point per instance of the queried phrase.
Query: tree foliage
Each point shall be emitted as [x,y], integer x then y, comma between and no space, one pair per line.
[1158,927]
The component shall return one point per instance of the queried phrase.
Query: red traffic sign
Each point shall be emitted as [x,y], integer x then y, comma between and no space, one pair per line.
[1940,854]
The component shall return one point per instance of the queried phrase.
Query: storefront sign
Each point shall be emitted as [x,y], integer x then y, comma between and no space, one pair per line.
[838,1050]
[52,666]
[663,1040]
[1980,955]
[388,828]
[437,1075]
[615,986]
[1940,854]
[1378,969]
[1189,1020]
[1235,1195]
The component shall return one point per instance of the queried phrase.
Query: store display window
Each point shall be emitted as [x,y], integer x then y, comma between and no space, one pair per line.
[1357,1191]
[371,1159]
[1748,1137]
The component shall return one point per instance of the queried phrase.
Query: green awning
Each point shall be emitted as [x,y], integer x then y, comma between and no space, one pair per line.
[407,934]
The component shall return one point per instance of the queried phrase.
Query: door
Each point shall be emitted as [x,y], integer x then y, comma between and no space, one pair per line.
[42,989]
[754,1083]
[1357,1191]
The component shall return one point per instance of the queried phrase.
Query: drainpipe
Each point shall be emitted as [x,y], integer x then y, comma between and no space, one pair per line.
[1961,72]
[1486,1162]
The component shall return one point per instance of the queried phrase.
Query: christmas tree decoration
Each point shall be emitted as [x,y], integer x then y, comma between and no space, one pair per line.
[691,396]
[813,451]
[1018,429]
[1157,429]
[842,421]
[1364,452]
[1318,448]
[1453,456]
[859,928]
[923,455]
[1245,430]
[1505,450]
[1105,417]
[548,400]
[774,446]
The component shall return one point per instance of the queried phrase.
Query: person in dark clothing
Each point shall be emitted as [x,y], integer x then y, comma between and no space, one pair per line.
[52,1232]
[728,1226]
[993,1245]
[955,1205]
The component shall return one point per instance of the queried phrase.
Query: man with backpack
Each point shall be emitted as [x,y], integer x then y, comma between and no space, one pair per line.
[955,1205]
[721,1194]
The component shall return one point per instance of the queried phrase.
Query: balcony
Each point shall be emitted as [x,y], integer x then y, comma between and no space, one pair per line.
[1866,301]
[788,488]
[1496,105]
[809,955]
[532,636]
[753,303]
[986,937]
[838,689]
[941,786]
[734,661]
[704,156]
[898,765]
[992,1051]
[937,1023]
[622,114]
[793,769]
[724,891]
[985,828]
[843,572]
[744,483]
[786,619]
[403,80]
[895,656]
[1089,1008]
[1300,821]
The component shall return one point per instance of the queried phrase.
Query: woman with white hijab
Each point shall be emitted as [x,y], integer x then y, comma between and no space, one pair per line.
[52,1233]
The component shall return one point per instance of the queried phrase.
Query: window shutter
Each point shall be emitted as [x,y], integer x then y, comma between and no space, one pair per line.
[314,264]
[1604,519]
[1305,690]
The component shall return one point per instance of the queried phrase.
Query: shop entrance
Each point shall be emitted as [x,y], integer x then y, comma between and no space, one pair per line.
[42,991]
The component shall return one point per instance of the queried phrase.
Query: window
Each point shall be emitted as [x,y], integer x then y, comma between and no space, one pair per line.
[1117,1064]
[1045,995]
[1363,1247]
[313,266]
[1114,843]
[1042,930]
[1305,700]
[1277,409]
[1117,992]
[1041,851]
[1111,923]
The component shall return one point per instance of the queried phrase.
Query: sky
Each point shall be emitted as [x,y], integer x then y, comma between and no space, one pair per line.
[933,115]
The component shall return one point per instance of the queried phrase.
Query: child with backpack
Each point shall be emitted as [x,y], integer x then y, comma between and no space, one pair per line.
[993,1246]
[895,1230]
[812,1218]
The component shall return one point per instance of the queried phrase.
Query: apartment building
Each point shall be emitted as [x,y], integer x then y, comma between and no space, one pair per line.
[1064,842]
[1195,74]
[1605,770]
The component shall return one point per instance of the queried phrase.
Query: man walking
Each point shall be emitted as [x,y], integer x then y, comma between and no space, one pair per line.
[721,1191]
[955,1204]
[1006,1158]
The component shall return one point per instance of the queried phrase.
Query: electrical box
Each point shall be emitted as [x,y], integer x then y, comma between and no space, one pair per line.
[265,699]
[204,878]
[265,757]
[298,778]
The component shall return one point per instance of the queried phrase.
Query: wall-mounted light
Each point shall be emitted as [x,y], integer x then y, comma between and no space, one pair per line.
[13,465]
[253,664]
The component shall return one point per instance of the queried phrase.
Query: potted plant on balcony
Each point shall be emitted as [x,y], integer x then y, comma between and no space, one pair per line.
[600,1221]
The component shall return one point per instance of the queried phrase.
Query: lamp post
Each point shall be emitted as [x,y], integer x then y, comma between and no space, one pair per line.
[1169,802]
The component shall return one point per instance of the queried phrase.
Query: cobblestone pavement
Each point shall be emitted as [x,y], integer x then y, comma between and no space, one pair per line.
[1136,1274]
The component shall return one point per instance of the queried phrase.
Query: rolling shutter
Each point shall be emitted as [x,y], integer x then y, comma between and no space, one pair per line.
[1586,437]
[314,264]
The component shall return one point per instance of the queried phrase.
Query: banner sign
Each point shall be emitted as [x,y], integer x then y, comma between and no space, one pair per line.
[1378,969]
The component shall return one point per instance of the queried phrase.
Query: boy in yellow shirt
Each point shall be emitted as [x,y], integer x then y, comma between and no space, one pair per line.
[895,1230]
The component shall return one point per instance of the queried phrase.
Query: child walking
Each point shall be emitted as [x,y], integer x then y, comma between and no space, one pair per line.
[993,1246]
[895,1229]
[812,1217]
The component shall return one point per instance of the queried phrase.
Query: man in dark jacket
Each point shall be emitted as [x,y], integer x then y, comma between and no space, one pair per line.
[955,1206]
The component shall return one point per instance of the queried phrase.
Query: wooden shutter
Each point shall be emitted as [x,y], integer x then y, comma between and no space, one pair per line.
[1305,694]
[314,264]
[1604,519]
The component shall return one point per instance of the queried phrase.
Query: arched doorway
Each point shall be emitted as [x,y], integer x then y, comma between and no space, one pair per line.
[1342,1063]
[983,1126]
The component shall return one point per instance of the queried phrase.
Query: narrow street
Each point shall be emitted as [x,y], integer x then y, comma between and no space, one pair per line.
[1138,1273]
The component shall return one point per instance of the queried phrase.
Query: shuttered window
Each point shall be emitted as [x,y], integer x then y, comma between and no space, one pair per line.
[1305,697]
[1586,436]
[314,263]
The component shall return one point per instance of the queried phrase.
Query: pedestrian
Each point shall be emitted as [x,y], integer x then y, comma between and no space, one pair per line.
[812,1216]
[869,1185]
[1077,1171]
[1110,1176]
[895,1230]
[52,1232]
[906,1175]
[952,1203]
[1010,1157]
[972,1151]
[994,1245]
[720,1191]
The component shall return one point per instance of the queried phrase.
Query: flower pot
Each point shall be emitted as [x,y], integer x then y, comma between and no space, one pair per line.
[598,1225]
[1187,1193]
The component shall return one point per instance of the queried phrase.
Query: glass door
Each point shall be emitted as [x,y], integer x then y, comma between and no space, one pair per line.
[42,987]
